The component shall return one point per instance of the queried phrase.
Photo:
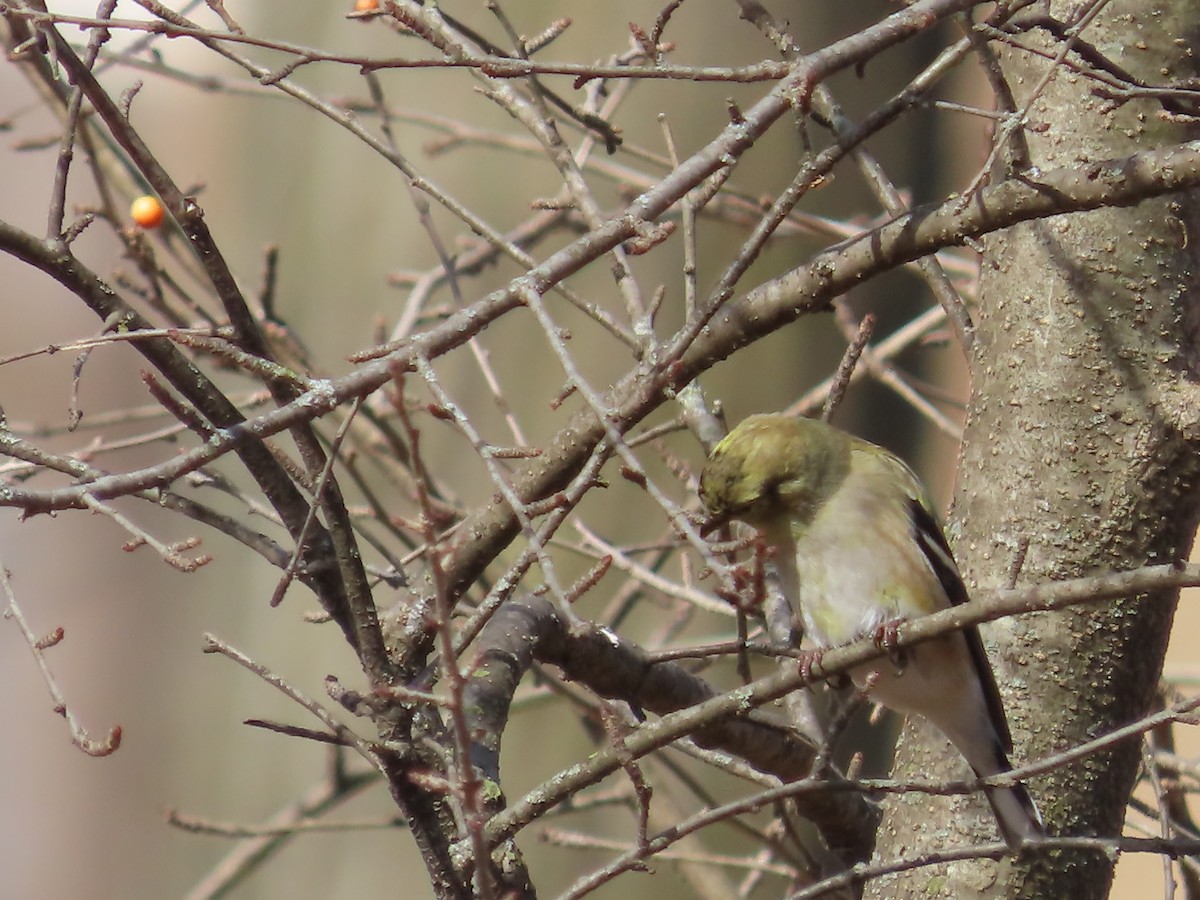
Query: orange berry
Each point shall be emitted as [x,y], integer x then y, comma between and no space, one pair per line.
[147,211]
[365,5]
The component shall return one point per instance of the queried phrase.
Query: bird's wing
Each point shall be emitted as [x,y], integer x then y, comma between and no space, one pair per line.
[933,544]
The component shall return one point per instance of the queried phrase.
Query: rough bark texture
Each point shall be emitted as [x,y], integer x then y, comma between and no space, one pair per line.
[1081,439]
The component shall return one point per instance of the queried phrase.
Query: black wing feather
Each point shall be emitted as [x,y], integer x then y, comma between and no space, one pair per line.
[933,544]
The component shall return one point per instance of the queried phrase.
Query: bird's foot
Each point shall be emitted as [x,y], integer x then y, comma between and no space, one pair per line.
[807,659]
[812,657]
[886,637]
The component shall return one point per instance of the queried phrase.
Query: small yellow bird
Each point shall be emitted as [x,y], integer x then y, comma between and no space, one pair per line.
[858,548]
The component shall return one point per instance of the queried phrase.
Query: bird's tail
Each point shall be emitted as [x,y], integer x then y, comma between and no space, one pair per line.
[1016,814]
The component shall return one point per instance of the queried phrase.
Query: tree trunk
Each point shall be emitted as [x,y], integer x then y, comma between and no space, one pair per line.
[1081,440]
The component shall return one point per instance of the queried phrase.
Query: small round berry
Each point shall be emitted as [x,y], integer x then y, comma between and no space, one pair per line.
[366,5]
[147,211]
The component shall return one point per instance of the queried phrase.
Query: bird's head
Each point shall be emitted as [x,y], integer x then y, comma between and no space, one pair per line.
[771,469]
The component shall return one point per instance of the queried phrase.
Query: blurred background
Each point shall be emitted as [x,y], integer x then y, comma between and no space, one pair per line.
[269,171]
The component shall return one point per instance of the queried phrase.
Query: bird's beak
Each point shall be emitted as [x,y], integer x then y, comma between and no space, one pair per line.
[712,522]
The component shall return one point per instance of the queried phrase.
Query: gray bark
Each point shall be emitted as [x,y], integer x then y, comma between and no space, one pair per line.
[1081,440]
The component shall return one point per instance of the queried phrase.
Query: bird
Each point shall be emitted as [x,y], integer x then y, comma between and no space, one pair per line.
[859,550]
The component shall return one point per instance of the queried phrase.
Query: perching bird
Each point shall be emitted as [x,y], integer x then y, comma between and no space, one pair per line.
[858,549]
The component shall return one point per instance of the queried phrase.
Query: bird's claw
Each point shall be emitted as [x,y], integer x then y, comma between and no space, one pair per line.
[807,659]
[810,658]
[886,637]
